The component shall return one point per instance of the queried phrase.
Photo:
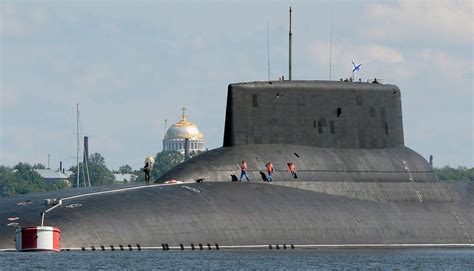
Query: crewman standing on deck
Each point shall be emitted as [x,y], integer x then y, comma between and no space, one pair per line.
[243,171]
[292,170]
[269,166]
[149,161]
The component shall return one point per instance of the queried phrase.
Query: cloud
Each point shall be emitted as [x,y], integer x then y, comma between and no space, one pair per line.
[199,43]
[100,77]
[447,21]
[445,63]
[345,53]
[9,97]
[21,20]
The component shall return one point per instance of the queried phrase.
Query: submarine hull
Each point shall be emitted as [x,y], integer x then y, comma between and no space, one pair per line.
[253,214]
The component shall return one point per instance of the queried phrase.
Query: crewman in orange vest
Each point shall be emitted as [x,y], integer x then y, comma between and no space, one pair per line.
[243,171]
[292,170]
[269,171]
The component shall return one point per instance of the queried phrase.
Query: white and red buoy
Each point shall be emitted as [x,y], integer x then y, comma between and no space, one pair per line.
[40,238]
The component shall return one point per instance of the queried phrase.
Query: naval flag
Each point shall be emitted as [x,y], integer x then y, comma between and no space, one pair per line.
[356,67]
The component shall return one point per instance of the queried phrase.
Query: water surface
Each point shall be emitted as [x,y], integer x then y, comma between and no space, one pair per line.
[328,259]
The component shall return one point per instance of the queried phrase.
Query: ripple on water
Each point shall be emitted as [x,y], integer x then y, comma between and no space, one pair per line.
[349,259]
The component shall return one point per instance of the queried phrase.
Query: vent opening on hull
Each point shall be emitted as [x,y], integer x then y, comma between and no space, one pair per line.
[297,155]
[338,112]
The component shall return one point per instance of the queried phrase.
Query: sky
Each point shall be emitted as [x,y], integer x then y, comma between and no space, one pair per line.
[132,64]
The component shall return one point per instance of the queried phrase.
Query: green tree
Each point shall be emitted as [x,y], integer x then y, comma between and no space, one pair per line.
[125,169]
[39,166]
[8,182]
[99,174]
[164,161]
[32,181]
[194,153]
[21,179]
[448,173]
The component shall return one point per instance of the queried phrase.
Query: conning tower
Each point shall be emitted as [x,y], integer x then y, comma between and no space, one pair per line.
[332,131]
[314,113]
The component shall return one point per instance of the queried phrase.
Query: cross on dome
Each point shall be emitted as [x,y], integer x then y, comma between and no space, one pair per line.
[183,116]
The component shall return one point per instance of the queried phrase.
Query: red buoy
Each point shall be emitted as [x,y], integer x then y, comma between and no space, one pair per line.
[38,239]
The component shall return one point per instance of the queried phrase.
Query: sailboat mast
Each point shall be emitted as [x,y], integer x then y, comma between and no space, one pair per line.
[77,145]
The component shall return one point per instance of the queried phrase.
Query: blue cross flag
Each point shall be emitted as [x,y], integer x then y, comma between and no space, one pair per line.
[356,67]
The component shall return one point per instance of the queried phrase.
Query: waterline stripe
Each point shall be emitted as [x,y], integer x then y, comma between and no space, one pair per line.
[196,247]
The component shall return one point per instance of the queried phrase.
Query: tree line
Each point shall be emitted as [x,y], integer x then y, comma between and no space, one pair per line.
[23,178]
[448,173]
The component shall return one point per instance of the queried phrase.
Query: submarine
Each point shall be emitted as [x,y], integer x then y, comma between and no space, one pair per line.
[358,185]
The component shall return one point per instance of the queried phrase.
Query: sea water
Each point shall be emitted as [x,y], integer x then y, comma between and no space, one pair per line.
[327,259]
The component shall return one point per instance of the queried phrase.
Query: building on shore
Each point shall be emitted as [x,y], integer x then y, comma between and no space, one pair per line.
[51,176]
[181,133]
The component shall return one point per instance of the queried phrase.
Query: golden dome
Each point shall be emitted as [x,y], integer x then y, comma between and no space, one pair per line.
[184,129]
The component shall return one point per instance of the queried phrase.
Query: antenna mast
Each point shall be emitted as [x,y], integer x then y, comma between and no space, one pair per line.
[289,54]
[268,51]
[330,51]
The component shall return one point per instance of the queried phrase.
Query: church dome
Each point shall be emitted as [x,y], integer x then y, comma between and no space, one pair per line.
[184,129]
